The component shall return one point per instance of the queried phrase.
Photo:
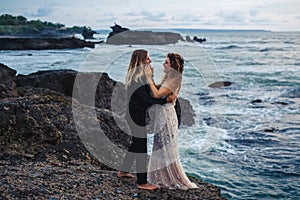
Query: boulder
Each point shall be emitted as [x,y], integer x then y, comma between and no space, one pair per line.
[220,84]
[116,29]
[200,40]
[121,36]
[109,94]
[88,33]
[42,119]
[7,84]
[63,81]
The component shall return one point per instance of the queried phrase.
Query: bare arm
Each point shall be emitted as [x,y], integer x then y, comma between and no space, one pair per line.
[157,93]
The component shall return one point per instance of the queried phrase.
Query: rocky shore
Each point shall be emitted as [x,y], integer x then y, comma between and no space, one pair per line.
[43,157]
[11,43]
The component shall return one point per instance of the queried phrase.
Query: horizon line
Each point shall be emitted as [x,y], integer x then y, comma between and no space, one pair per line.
[205,29]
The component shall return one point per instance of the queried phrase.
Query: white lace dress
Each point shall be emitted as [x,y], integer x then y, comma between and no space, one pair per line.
[165,169]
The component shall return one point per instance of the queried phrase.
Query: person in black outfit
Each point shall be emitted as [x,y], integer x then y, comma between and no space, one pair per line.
[139,100]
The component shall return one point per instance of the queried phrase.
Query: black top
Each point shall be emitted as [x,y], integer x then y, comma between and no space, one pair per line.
[140,98]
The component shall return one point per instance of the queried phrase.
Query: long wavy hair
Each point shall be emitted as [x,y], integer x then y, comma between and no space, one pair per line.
[135,70]
[173,78]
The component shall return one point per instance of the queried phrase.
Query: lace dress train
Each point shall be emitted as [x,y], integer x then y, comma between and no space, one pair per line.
[165,169]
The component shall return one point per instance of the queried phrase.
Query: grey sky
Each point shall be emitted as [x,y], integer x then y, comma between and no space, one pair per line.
[276,15]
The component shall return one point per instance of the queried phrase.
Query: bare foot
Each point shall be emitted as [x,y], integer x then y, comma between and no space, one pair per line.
[124,175]
[147,186]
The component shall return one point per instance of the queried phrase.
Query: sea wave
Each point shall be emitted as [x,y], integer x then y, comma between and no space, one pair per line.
[229,47]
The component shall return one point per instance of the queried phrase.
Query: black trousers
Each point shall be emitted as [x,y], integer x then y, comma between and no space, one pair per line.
[138,149]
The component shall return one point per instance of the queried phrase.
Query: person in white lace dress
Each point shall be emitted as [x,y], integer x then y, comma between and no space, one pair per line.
[165,169]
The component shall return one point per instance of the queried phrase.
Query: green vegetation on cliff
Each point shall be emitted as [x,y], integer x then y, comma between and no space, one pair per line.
[20,26]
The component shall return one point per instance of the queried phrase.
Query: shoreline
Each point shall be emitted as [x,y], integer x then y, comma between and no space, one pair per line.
[35,43]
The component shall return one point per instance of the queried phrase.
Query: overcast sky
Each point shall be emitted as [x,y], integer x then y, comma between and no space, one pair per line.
[275,15]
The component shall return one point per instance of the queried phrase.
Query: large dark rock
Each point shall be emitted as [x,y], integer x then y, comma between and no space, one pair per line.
[58,80]
[121,35]
[144,38]
[41,119]
[220,84]
[108,93]
[42,96]
[88,33]
[116,29]
[63,81]
[187,112]
[7,84]
[43,43]
[30,123]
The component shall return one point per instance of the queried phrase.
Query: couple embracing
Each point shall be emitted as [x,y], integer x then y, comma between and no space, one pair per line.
[164,168]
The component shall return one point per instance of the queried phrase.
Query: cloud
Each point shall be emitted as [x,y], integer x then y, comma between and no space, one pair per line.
[43,11]
[232,17]
[145,15]
[152,16]
[188,18]
[261,21]
[134,14]
[253,13]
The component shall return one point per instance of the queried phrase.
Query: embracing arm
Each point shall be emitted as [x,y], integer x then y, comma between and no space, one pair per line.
[144,94]
[157,93]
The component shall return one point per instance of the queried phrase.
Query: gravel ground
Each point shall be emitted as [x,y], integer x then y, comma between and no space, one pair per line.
[53,179]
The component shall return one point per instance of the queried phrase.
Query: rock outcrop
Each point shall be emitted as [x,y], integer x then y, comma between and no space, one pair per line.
[42,154]
[116,29]
[7,81]
[43,43]
[220,84]
[120,36]
[108,92]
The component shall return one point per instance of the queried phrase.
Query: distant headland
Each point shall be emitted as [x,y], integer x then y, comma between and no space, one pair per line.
[18,33]
[19,26]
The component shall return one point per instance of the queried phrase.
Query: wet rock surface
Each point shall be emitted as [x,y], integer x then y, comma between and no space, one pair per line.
[43,43]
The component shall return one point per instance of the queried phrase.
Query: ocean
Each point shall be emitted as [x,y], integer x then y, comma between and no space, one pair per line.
[246,139]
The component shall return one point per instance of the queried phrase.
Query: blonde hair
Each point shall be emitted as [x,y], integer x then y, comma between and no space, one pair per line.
[135,69]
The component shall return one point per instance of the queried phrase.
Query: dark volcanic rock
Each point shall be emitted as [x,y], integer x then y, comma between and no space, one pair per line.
[7,84]
[200,40]
[30,121]
[88,33]
[121,35]
[43,43]
[116,30]
[58,80]
[87,85]
[144,38]
[49,145]
[220,84]
[108,93]
[41,120]
[187,112]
